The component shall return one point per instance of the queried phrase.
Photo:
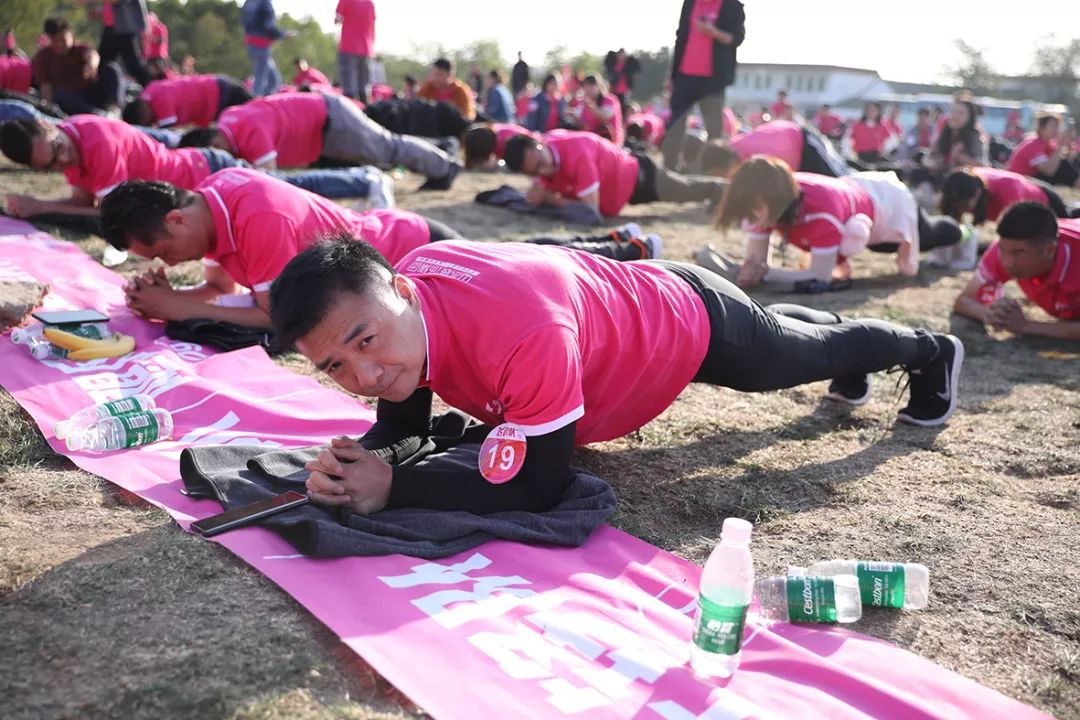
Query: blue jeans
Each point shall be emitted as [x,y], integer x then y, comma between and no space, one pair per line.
[264,70]
[340,183]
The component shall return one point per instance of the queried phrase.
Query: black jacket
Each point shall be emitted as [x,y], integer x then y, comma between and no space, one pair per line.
[630,68]
[732,19]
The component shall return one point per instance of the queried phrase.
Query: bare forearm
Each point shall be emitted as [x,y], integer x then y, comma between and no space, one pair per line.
[66,207]
[783,277]
[971,308]
[203,292]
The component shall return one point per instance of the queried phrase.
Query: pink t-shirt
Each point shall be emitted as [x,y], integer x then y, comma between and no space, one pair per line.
[111,151]
[827,123]
[542,336]
[16,73]
[261,223]
[586,163]
[779,139]
[156,38]
[505,131]
[107,17]
[287,127]
[652,126]
[827,205]
[311,76]
[697,59]
[595,122]
[1004,188]
[1030,153]
[1058,293]
[866,138]
[185,100]
[357,27]
[778,109]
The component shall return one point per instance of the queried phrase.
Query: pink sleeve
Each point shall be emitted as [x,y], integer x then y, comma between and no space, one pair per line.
[991,274]
[586,177]
[262,262]
[255,144]
[541,382]
[109,169]
[822,233]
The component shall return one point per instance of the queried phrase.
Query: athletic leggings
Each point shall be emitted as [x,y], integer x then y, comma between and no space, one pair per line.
[608,245]
[934,231]
[757,349]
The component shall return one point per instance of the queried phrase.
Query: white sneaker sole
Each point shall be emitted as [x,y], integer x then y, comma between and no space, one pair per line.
[954,380]
[857,402]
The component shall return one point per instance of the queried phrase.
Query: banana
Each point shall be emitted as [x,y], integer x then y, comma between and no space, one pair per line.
[115,347]
[71,341]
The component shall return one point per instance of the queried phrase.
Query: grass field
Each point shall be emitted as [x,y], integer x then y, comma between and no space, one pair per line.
[107,609]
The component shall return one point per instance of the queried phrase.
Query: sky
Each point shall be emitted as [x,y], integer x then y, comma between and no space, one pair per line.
[911,43]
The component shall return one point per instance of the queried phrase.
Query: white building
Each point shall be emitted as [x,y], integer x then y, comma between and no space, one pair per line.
[808,87]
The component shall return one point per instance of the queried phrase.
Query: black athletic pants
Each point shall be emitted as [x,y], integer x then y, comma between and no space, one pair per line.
[1066,175]
[658,184]
[605,245]
[128,48]
[756,349]
[231,93]
[934,231]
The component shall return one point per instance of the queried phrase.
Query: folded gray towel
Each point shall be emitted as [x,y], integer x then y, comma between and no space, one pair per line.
[236,475]
[507,197]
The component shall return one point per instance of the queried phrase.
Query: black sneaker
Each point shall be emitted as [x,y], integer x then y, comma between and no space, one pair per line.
[932,397]
[443,183]
[853,390]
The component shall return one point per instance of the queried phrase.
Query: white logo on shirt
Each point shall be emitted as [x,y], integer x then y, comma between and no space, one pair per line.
[429,266]
[494,407]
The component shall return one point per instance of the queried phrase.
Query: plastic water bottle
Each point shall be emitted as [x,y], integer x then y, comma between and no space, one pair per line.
[809,599]
[94,331]
[881,584]
[90,415]
[42,349]
[727,584]
[123,431]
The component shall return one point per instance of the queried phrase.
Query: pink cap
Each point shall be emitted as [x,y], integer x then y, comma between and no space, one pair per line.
[736,530]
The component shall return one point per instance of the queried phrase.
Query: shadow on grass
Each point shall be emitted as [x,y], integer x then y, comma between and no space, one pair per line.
[160,624]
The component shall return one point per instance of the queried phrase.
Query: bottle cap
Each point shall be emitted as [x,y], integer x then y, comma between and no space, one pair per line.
[796,571]
[736,530]
[75,442]
[59,429]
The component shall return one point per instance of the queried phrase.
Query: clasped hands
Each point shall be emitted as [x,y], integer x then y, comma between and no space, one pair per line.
[347,475]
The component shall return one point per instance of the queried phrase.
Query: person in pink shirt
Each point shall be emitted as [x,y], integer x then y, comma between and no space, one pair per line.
[829,123]
[245,226]
[16,72]
[702,67]
[987,192]
[296,129]
[1042,254]
[485,143]
[892,122]
[96,154]
[585,168]
[1042,157]
[831,219]
[357,46]
[800,147]
[868,137]
[307,75]
[155,38]
[645,127]
[782,109]
[559,349]
[599,112]
[189,100]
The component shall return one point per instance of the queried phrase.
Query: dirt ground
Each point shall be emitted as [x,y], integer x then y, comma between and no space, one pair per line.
[107,609]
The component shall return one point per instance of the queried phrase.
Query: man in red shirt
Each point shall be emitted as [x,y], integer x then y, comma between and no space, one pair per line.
[97,154]
[307,75]
[1042,254]
[560,349]
[357,46]
[829,123]
[187,100]
[296,129]
[702,67]
[586,168]
[1042,157]
[782,109]
[802,148]
[72,75]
